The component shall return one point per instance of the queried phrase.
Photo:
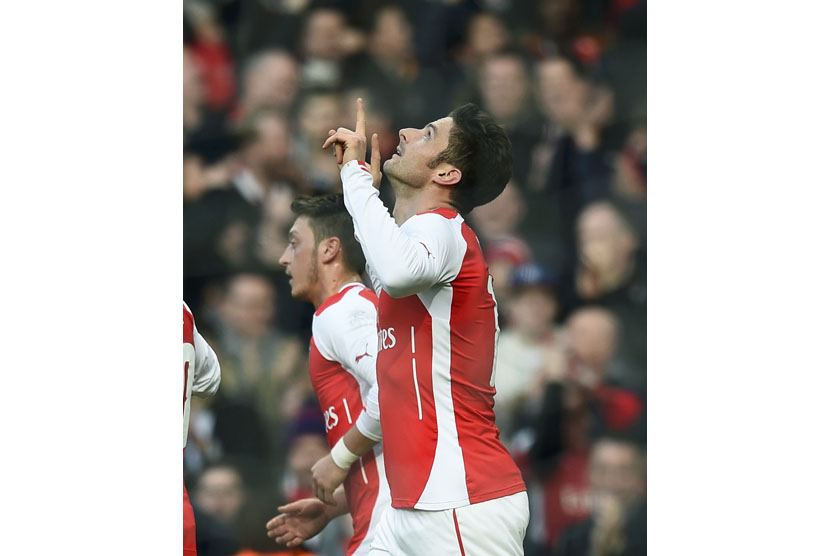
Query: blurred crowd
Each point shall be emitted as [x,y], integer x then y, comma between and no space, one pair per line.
[264,81]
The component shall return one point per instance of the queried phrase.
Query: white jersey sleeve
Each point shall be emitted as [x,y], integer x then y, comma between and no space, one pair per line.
[207,375]
[373,277]
[346,332]
[408,259]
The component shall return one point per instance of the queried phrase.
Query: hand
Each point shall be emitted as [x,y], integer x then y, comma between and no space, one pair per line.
[297,522]
[351,145]
[325,477]
[607,536]
[596,113]
[353,142]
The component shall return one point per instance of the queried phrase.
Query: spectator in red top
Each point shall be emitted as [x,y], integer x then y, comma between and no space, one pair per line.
[617,523]
[212,54]
[577,406]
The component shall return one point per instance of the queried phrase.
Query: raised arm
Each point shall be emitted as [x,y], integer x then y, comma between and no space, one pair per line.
[407,259]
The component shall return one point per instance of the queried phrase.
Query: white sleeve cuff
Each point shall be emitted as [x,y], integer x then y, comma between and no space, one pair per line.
[369,427]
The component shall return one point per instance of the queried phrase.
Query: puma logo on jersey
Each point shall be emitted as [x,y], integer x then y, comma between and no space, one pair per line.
[429,254]
[386,338]
[365,354]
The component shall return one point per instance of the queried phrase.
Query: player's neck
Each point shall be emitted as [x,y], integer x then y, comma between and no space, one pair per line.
[410,201]
[332,282]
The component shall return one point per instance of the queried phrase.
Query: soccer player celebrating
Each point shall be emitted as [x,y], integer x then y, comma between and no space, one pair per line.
[324,263]
[454,487]
[201,376]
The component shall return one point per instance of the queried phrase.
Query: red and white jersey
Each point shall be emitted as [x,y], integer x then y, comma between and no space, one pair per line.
[201,367]
[342,360]
[437,329]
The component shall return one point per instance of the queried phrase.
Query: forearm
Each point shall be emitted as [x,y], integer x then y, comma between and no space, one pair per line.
[357,442]
[340,507]
[349,449]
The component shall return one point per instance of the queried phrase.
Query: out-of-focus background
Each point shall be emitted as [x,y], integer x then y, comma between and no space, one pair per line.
[264,80]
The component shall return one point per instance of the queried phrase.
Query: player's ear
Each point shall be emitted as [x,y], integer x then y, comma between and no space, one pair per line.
[446,175]
[329,248]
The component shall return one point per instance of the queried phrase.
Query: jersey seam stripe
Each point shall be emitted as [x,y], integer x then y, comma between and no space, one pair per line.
[348,413]
[417,390]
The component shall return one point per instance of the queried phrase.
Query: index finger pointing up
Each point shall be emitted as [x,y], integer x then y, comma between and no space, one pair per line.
[360,126]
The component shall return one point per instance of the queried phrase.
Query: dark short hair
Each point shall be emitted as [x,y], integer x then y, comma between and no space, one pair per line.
[328,217]
[480,148]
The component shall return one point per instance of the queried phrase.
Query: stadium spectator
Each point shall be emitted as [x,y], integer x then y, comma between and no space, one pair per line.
[324,46]
[503,256]
[578,405]
[319,111]
[497,225]
[391,72]
[210,50]
[569,164]
[565,28]
[207,142]
[213,538]
[504,87]
[222,226]
[220,492]
[576,111]
[484,34]
[270,81]
[617,523]
[629,182]
[262,366]
[525,347]
[611,273]
[231,496]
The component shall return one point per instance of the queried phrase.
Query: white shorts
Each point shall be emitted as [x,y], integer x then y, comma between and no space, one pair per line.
[492,528]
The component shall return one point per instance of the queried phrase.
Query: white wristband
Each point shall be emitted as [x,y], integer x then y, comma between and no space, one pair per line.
[342,456]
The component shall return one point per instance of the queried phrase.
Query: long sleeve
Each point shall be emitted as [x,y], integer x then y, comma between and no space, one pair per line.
[346,332]
[408,259]
[356,347]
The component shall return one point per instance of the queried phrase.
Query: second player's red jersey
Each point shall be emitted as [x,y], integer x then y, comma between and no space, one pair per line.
[342,371]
